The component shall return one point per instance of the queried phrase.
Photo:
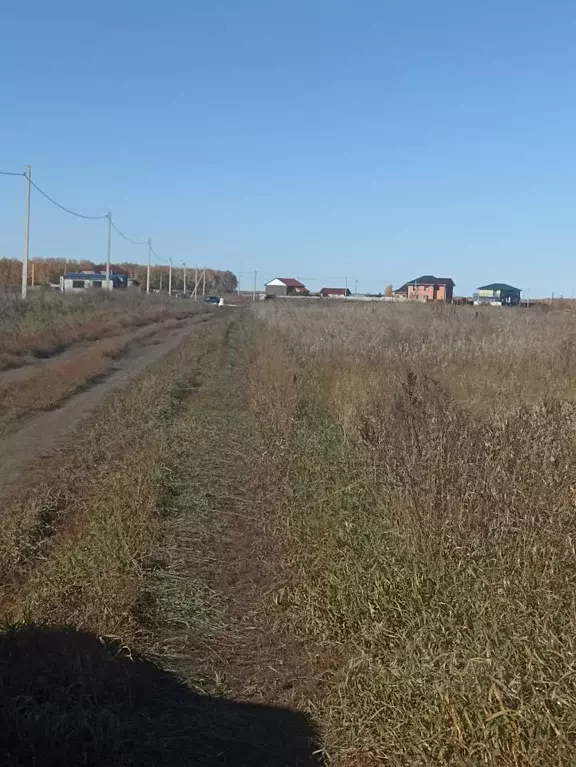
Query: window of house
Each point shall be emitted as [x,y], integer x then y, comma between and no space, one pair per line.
[96,284]
[77,283]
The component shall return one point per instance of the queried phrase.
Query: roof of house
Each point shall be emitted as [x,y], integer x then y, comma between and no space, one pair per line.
[113,269]
[336,291]
[499,286]
[88,276]
[426,279]
[290,282]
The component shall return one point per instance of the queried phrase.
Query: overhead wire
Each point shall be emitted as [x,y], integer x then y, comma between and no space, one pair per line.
[128,239]
[8,173]
[164,260]
[63,207]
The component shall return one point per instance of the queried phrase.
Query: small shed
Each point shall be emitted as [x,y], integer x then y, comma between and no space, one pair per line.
[285,286]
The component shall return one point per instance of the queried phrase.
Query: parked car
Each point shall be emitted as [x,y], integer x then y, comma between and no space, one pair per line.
[216,300]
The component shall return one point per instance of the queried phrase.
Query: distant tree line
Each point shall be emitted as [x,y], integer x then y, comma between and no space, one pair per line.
[49,270]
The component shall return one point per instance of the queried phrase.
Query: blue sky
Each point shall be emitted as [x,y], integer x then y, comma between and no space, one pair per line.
[376,139]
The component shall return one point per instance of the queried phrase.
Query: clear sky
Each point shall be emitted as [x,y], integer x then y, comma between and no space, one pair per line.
[375,139]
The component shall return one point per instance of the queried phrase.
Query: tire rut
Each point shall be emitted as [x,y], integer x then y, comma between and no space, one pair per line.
[47,432]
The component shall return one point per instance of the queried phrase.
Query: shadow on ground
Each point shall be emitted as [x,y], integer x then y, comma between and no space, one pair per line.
[71,698]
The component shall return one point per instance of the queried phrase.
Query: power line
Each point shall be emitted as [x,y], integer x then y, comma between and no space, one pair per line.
[64,208]
[164,260]
[121,233]
[7,173]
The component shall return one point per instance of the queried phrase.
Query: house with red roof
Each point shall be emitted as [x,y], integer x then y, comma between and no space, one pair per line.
[335,293]
[285,286]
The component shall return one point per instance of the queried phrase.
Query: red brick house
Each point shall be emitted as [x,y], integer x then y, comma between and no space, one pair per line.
[428,288]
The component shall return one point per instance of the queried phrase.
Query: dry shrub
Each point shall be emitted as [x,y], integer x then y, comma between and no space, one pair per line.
[427,476]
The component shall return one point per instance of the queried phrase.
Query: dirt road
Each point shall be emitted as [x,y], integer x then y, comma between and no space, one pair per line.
[41,433]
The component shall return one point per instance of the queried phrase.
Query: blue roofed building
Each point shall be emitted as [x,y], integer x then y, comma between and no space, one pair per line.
[78,281]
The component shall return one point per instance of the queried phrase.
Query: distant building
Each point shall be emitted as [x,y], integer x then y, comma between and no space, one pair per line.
[428,288]
[285,286]
[335,292]
[497,294]
[78,281]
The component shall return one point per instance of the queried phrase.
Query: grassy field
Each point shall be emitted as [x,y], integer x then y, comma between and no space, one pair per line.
[50,321]
[423,460]
[364,512]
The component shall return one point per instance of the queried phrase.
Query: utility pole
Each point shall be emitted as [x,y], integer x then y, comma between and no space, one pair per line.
[26,254]
[33,265]
[196,282]
[255,281]
[148,267]
[184,279]
[170,278]
[346,289]
[356,287]
[203,282]
[160,279]
[108,250]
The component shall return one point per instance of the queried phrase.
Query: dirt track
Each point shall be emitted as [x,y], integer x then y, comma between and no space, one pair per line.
[40,434]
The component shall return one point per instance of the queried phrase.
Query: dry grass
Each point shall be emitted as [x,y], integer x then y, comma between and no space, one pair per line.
[114,540]
[424,462]
[76,544]
[50,322]
[401,524]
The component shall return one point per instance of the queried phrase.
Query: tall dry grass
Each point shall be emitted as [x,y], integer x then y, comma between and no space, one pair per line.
[424,461]
[49,322]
